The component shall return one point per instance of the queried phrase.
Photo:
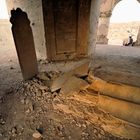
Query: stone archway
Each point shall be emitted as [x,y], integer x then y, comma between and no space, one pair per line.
[106,9]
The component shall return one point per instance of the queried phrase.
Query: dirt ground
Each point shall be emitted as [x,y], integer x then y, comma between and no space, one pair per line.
[118,64]
[31,108]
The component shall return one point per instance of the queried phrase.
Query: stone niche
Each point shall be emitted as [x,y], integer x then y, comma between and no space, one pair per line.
[66,28]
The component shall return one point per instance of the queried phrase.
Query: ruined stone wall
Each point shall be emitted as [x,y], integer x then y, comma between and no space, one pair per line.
[33,8]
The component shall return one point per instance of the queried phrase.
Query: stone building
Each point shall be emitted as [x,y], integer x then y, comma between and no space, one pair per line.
[63,30]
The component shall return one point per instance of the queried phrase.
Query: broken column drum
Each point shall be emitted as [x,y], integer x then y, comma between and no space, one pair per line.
[24,43]
[66,28]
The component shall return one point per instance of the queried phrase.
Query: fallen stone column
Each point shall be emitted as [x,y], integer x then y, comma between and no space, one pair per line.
[119,91]
[124,110]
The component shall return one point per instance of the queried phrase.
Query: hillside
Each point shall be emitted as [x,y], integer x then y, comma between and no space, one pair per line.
[120,31]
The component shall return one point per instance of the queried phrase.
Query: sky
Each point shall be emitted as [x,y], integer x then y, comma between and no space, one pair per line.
[124,11]
[3,10]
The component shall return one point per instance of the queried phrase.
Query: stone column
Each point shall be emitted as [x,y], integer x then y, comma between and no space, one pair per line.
[103,27]
[138,38]
[106,9]
[94,18]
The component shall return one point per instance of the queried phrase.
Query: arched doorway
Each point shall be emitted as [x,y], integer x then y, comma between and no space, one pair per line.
[106,13]
[114,62]
[125,21]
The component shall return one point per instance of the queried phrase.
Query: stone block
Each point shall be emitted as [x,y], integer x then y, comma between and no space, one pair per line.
[58,82]
[79,71]
[73,84]
[82,70]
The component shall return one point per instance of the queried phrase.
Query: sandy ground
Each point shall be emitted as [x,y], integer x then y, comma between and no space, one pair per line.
[118,64]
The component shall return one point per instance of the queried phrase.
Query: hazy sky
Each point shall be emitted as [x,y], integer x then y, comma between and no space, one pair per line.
[3,10]
[124,11]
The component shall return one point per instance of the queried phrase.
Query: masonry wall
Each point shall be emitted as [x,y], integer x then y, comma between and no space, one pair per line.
[33,8]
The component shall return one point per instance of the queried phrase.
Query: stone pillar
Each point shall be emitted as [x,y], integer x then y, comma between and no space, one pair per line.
[106,9]
[103,28]
[138,39]
[94,18]
[24,43]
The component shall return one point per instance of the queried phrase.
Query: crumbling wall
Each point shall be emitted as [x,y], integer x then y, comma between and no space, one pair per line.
[33,9]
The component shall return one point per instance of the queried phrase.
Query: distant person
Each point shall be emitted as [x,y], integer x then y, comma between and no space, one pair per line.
[129,42]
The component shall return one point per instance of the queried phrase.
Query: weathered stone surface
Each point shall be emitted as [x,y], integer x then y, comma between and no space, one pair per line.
[73,84]
[138,38]
[121,91]
[58,82]
[124,110]
[80,71]
[24,42]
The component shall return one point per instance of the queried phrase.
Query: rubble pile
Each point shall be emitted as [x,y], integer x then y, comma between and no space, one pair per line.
[36,110]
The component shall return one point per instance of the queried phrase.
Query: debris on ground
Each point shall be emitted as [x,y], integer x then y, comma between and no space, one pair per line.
[32,110]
